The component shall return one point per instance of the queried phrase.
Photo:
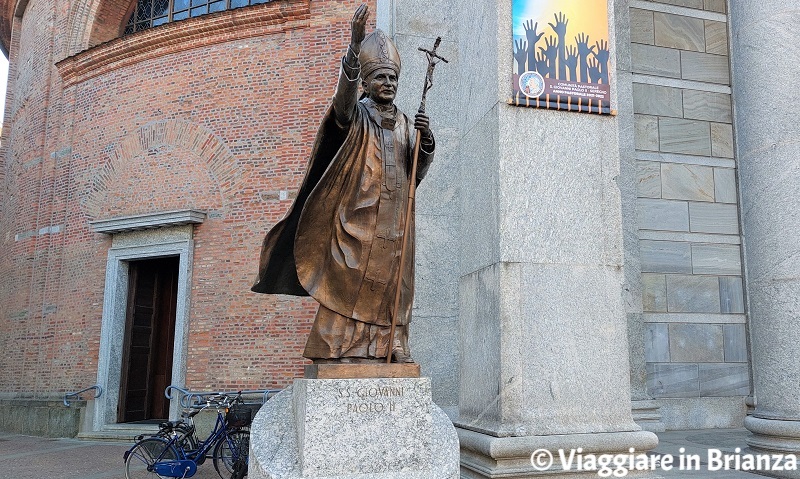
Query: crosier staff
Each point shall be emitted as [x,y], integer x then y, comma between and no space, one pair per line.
[433,59]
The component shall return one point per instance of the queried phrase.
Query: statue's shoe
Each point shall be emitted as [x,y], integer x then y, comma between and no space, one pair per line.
[400,356]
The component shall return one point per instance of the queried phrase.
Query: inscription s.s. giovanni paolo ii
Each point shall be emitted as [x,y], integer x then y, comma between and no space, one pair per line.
[376,400]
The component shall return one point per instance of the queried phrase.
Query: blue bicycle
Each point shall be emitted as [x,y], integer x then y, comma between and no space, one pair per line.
[176,452]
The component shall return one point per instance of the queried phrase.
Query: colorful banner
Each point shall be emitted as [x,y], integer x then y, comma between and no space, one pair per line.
[561,55]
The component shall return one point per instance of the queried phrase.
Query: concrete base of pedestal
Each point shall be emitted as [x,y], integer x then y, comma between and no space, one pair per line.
[484,456]
[380,428]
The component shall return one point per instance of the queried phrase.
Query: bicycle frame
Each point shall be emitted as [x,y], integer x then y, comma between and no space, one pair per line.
[203,447]
[186,465]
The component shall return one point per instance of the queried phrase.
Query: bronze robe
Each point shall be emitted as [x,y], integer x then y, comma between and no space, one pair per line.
[340,241]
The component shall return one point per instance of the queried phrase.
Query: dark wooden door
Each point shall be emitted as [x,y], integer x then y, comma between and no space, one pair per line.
[149,339]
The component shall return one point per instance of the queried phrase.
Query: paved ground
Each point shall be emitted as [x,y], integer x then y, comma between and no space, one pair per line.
[25,457]
[698,442]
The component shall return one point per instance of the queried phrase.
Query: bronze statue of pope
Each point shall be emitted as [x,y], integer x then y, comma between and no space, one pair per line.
[341,240]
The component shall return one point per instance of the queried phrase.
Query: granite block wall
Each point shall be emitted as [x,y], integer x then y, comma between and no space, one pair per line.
[689,235]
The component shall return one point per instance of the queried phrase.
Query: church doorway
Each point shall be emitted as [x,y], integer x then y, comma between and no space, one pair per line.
[149,339]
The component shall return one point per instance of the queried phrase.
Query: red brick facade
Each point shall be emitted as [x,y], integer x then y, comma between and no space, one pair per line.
[215,113]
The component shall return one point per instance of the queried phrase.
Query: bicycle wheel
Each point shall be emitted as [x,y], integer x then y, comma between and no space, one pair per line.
[233,445]
[144,454]
[239,468]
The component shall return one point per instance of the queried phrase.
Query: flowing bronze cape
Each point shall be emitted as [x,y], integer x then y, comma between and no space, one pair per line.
[315,249]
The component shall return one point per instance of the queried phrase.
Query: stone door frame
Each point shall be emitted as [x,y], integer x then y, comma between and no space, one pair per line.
[173,239]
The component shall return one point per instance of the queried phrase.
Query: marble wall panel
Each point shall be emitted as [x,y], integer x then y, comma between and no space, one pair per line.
[724,380]
[648,179]
[692,294]
[687,182]
[654,292]
[703,105]
[657,100]
[720,6]
[735,343]
[642,29]
[656,342]
[731,295]
[673,380]
[705,67]
[696,343]
[716,37]
[691,137]
[722,140]
[677,31]
[646,132]
[652,60]
[669,215]
[665,256]
[713,218]
[725,185]
[684,3]
[716,259]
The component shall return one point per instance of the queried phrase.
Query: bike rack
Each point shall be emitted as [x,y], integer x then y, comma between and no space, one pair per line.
[190,398]
[97,388]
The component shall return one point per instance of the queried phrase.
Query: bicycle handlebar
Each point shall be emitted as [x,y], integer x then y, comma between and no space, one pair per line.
[189,399]
[218,401]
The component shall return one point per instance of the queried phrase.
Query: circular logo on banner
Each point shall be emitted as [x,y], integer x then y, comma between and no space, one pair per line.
[531,84]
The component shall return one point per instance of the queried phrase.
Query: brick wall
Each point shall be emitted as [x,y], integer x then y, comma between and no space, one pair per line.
[221,126]
[688,220]
[110,21]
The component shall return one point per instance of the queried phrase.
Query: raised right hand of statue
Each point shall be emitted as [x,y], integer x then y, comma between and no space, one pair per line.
[358,27]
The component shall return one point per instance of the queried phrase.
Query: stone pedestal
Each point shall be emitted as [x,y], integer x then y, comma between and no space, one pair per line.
[768,155]
[381,428]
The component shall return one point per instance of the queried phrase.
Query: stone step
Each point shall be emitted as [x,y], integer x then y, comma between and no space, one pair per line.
[107,436]
[121,433]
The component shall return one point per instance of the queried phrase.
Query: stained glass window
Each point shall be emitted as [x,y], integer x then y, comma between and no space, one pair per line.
[152,13]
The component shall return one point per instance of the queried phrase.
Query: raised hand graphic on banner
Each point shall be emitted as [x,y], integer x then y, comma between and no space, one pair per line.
[594,71]
[560,28]
[602,56]
[533,38]
[521,56]
[541,63]
[583,54]
[551,52]
[571,61]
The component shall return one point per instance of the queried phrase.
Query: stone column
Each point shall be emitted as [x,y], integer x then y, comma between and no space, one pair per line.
[765,53]
[543,327]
